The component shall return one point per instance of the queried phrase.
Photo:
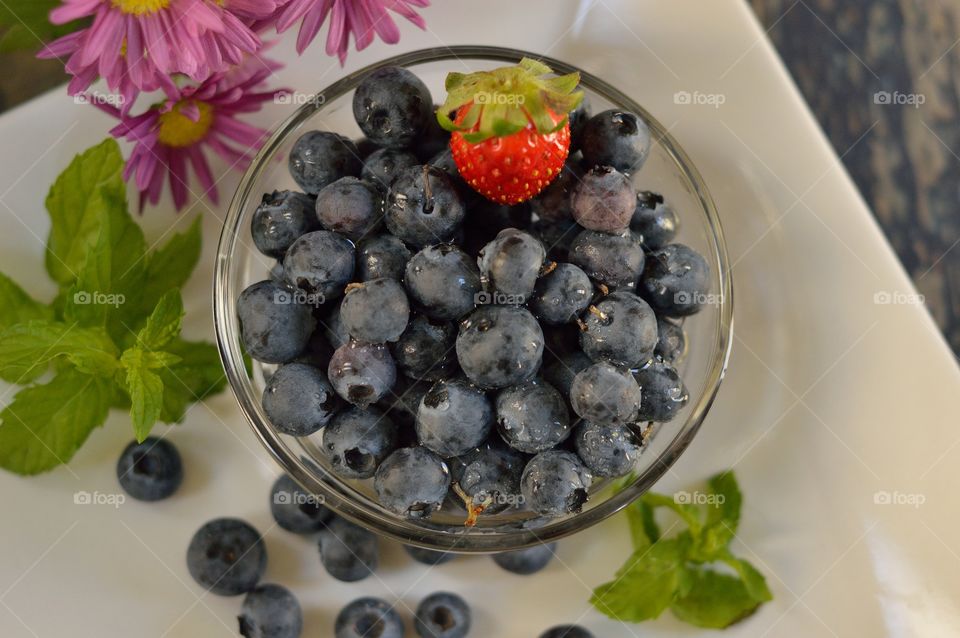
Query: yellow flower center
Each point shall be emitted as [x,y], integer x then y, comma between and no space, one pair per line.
[179,131]
[141,7]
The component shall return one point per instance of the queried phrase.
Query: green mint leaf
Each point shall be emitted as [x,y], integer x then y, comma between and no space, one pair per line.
[16,306]
[752,579]
[714,600]
[46,424]
[644,587]
[722,515]
[170,266]
[145,389]
[78,201]
[27,349]
[643,527]
[26,24]
[688,512]
[195,376]
[163,324]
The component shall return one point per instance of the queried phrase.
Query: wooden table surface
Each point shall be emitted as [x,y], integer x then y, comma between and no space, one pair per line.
[882,77]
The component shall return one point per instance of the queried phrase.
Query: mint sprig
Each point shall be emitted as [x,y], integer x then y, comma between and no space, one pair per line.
[111,337]
[693,573]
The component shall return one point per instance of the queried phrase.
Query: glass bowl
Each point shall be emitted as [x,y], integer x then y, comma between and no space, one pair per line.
[668,171]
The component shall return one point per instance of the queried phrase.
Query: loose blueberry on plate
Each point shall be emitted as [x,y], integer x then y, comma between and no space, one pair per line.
[566,631]
[526,561]
[603,200]
[350,206]
[273,328]
[454,417]
[227,556]
[381,256]
[621,329]
[382,166]
[561,295]
[428,556]
[357,440]
[608,450]
[320,262]
[296,510]
[510,265]
[348,552]
[490,477]
[319,158]
[443,282]
[499,346]
[676,280]
[615,138]
[298,399]
[654,220]
[663,391]
[615,260]
[375,311]
[280,218]
[555,483]
[412,482]
[151,470]
[424,207]
[366,618]
[270,611]
[604,393]
[427,349]
[362,373]
[442,615]
[532,416]
[393,107]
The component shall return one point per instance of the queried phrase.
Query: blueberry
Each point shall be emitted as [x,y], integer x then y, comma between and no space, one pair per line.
[671,340]
[608,450]
[615,138]
[362,373]
[412,482]
[426,350]
[555,483]
[490,476]
[615,260]
[375,311]
[532,416]
[428,556]
[620,328]
[510,265]
[604,393]
[320,262]
[382,166]
[348,552]
[381,256]
[298,399]
[578,121]
[675,281]
[424,207]
[433,140]
[227,556]
[151,470]
[499,346]
[357,440]
[445,162]
[654,220]
[280,218]
[393,107]
[270,611]
[404,401]
[333,328]
[442,615]
[350,206]
[561,294]
[273,329]
[604,200]
[526,561]
[566,631]
[553,204]
[319,158]
[443,281]
[296,510]
[486,219]
[454,417]
[663,391]
[368,618]
[560,373]
[556,237]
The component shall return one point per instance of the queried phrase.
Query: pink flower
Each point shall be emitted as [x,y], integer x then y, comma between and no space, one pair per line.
[135,45]
[170,137]
[361,18]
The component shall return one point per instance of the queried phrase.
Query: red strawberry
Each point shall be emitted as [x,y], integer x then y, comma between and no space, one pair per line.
[510,135]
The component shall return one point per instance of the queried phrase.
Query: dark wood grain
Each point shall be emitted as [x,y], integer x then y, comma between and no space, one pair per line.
[847,56]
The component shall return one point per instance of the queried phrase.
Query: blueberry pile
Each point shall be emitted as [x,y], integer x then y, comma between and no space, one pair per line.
[459,354]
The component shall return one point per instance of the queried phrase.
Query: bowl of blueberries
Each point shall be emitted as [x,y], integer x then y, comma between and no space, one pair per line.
[466,341]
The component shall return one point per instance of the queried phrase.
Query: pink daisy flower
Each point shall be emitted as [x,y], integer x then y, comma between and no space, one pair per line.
[363,19]
[135,45]
[171,136]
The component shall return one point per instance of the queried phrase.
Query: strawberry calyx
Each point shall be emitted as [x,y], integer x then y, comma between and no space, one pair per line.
[506,100]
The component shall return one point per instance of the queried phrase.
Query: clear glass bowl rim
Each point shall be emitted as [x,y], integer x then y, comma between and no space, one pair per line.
[409,532]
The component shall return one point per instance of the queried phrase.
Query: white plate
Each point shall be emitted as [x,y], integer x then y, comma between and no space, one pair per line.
[831,397]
